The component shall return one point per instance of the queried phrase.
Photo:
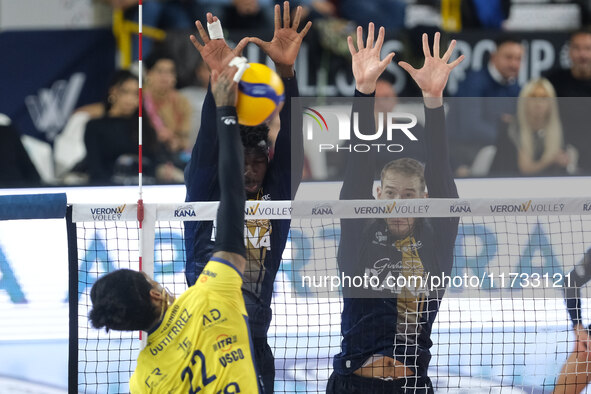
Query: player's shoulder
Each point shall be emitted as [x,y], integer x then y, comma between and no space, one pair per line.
[219,272]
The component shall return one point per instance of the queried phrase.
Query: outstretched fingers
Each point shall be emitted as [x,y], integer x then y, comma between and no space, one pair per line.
[359,38]
[277,17]
[202,33]
[306,29]
[286,15]
[196,42]
[426,50]
[241,45]
[387,60]
[436,39]
[370,33]
[297,17]
[408,68]
[450,49]
[351,46]
[456,62]
[380,40]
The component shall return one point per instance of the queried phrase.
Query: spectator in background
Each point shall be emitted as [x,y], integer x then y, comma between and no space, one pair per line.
[574,84]
[387,13]
[533,144]
[576,81]
[484,14]
[163,14]
[169,111]
[238,14]
[475,124]
[16,167]
[195,93]
[112,140]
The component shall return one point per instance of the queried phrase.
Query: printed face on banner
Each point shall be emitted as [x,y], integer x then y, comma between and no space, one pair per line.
[399,186]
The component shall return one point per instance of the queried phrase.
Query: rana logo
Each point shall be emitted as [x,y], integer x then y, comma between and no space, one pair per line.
[587,206]
[184,211]
[460,207]
[323,209]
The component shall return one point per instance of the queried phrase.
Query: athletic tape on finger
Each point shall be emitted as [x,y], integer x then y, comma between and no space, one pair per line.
[215,30]
[242,64]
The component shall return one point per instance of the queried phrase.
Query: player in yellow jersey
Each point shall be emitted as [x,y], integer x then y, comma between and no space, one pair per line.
[199,342]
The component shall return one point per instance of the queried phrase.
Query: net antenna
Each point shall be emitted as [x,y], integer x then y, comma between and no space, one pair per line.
[140,201]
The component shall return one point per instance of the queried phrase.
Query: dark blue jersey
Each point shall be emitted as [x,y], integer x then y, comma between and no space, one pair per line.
[265,239]
[578,277]
[394,322]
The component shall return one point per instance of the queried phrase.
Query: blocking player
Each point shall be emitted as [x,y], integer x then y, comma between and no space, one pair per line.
[199,342]
[575,374]
[265,179]
[386,335]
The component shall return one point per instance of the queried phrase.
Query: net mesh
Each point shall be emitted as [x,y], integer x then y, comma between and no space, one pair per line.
[495,331]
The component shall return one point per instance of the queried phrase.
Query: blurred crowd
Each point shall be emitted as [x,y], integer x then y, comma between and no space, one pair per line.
[505,129]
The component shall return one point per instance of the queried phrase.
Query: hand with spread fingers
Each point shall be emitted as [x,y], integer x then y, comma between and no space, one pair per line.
[432,77]
[367,66]
[215,51]
[284,47]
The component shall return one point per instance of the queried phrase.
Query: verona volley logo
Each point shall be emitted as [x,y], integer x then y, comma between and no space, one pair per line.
[334,128]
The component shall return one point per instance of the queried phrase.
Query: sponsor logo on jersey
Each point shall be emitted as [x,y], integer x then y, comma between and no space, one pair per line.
[213,317]
[229,120]
[587,206]
[224,342]
[230,357]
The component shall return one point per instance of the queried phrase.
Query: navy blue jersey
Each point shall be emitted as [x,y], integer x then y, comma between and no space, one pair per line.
[395,323]
[265,239]
[578,277]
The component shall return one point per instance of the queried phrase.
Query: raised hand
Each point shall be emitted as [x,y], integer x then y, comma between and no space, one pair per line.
[284,47]
[432,77]
[215,53]
[367,66]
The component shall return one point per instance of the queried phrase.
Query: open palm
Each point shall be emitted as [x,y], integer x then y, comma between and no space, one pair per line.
[366,63]
[215,53]
[284,46]
[433,76]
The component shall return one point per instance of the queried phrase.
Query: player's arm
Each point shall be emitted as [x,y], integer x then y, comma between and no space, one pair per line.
[432,78]
[229,244]
[367,68]
[579,276]
[283,50]
[204,159]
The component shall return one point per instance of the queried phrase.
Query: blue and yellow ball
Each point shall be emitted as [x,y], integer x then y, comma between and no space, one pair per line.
[260,92]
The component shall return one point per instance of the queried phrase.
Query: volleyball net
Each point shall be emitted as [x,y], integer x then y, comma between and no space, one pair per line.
[502,323]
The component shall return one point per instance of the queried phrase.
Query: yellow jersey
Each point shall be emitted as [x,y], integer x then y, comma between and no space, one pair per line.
[202,344]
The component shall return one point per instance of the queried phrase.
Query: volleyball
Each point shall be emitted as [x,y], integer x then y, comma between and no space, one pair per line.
[260,92]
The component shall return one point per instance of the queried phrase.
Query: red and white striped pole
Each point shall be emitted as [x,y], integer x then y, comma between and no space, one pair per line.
[140,201]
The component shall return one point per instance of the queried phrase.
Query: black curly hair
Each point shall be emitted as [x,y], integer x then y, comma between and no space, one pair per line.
[255,139]
[121,301]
